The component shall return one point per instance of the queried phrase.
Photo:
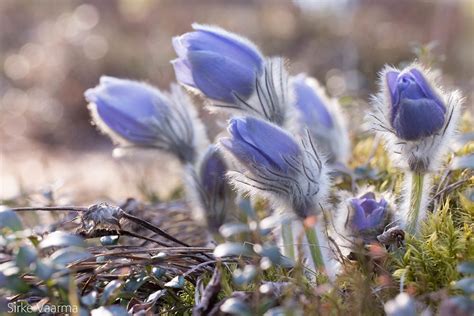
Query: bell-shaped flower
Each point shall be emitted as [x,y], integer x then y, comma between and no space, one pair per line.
[274,165]
[416,109]
[135,114]
[415,116]
[209,190]
[367,213]
[360,219]
[231,72]
[323,117]
[222,65]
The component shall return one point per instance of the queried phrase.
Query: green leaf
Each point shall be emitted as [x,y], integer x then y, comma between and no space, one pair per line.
[110,291]
[69,255]
[26,255]
[9,219]
[176,283]
[232,249]
[113,310]
[61,239]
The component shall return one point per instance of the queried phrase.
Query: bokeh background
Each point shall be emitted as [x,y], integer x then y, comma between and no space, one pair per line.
[53,50]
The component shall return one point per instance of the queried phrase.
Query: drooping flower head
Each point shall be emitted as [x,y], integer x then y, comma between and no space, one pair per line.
[231,72]
[136,114]
[210,190]
[218,63]
[322,116]
[415,116]
[274,165]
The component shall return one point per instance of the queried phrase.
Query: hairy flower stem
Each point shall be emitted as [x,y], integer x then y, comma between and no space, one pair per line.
[288,242]
[314,247]
[416,195]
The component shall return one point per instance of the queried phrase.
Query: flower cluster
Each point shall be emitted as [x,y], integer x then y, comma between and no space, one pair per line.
[284,140]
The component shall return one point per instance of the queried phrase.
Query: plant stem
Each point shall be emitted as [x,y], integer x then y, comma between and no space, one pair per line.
[314,247]
[415,202]
[288,242]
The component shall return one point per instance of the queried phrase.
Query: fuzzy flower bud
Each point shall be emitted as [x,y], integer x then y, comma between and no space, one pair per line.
[415,116]
[209,189]
[322,116]
[218,63]
[275,165]
[136,114]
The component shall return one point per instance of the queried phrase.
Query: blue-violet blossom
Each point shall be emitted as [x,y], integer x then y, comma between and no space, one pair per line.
[209,190]
[218,63]
[274,165]
[135,114]
[323,117]
[416,118]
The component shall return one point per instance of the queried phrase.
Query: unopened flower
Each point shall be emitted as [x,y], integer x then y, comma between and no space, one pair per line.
[322,116]
[415,116]
[209,189]
[222,65]
[273,164]
[231,72]
[136,114]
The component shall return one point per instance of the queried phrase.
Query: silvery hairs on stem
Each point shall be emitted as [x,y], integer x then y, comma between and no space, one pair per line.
[136,115]
[209,191]
[290,173]
[417,136]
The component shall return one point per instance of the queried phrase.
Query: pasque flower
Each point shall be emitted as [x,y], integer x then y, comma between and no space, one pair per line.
[230,71]
[322,116]
[417,120]
[415,116]
[222,65]
[367,213]
[275,165]
[360,219]
[209,189]
[136,114]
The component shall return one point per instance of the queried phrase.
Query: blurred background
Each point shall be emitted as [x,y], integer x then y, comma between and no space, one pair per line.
[53,50]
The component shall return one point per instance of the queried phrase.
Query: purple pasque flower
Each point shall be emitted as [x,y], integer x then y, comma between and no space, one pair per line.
[272,164]
[209,190]
[416,110]
[134,113]
[259,144]
[323,117]
[218,63]
[367,213]
[311,105]
[127,107]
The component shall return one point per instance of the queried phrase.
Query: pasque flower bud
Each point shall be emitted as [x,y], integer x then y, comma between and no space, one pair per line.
[275,165]
[415,116]
[218,63]
[322,116]
[135,114]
